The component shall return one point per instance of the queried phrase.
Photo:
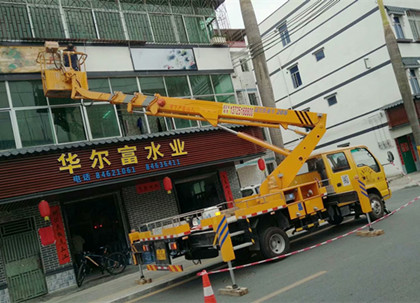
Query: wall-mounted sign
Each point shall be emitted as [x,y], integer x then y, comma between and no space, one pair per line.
[148,187]
[128,163]
[163,59]
[119,162]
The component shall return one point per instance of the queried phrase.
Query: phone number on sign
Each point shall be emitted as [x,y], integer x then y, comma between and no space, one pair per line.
[115,172]
[162,164]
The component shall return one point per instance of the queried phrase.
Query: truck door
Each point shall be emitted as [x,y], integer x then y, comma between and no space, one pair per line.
[369,170]
[339,171]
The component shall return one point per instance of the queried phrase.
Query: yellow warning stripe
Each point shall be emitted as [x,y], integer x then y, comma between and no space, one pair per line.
[151,267]
[175,268]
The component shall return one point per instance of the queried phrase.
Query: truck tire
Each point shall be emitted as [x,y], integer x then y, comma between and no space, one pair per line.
[378,207]
[274,242]
[335,217]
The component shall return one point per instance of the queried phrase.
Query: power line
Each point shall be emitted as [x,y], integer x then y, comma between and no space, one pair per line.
[293,30]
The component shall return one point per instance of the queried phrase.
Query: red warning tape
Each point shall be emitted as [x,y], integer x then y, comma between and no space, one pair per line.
[313,246]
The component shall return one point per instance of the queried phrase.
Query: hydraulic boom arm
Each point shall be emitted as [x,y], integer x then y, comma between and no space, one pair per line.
[66,82]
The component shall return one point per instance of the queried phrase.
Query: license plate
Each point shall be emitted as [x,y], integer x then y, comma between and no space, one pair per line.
[161,254]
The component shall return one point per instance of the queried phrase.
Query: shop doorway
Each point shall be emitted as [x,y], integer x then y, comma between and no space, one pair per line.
[199,192]
[407,155]
[20,251]
[95,223]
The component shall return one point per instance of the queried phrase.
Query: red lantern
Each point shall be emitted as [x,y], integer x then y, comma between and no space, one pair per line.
[167,184]
[261,164]
[44,209]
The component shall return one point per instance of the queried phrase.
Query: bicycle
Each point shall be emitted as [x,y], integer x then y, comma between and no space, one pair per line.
[113,263]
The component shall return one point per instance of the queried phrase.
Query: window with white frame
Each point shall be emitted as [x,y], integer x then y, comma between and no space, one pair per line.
[284,34]
[398,27]
[414,82]
[319,54]
[414,20]
[295,75]
[331,99]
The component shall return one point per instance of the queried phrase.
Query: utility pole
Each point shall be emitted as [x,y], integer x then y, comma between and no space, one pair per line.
[400,75]
[260,67]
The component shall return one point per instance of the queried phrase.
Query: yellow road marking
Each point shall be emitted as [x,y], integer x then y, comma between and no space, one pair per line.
[284,289]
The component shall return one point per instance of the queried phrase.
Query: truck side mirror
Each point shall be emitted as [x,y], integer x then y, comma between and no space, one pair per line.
[390,157]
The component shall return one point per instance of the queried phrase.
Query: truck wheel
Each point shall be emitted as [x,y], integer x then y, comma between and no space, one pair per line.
[335,216]
[274,242]
[378,207]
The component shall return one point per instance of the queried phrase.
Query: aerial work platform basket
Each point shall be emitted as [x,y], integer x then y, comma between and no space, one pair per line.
[59,67]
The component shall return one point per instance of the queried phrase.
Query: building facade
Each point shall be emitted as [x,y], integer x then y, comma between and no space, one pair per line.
[331,57]
[100,168]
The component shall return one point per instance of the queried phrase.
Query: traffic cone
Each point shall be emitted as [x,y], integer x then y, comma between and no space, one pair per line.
[208,291]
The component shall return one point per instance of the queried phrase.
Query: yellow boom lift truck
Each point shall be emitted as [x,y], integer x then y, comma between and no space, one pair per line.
[339,183]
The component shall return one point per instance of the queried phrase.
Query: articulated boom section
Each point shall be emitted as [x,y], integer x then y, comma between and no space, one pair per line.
[277,196]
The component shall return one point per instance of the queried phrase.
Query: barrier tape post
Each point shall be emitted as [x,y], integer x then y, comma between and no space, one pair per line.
[142,279]
[360,187]
[221,229]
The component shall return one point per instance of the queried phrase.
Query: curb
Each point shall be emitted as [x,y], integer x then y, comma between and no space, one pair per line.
[167,283]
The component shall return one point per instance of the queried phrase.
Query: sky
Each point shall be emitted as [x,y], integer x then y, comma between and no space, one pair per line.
[262,8]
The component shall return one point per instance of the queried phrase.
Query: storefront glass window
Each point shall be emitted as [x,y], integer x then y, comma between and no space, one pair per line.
[125,85]
[201,85]
[58,101]
[157,124]
[177,86]
[68,124]
[103,121]
[226,98]
[7,140]
[99,85]
[222,84]
[3,96]
[34,127]
[152,85]
[132,124]
[27,93]
[181,123]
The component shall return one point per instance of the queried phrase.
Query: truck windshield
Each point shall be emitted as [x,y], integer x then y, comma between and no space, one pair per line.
[363,157]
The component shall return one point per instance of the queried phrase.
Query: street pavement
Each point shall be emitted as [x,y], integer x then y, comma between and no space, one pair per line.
[123,287]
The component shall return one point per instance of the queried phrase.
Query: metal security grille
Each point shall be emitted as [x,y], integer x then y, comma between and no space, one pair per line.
[197,31]
[47,22]
[138,27]
[14,22]
[158,6]
[16,227]
[20,253]
[109,25]
[76,3]
[163,28]
[80,23]
[101,4]
[182,34]
[45,2]
[182,7]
